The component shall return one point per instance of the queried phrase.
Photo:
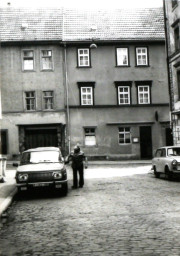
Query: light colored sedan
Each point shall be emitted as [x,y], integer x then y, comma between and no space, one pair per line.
[42,168]
[166,160]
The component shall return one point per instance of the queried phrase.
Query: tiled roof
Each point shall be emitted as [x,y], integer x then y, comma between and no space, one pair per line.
[125,24]
[43,24]
[81,25]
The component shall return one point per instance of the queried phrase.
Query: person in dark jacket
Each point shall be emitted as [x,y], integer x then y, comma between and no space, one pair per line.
[78,162]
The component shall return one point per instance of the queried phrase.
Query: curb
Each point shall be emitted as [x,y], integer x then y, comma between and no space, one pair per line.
[6,203]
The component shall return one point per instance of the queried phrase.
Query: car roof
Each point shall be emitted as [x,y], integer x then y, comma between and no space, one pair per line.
[166,147]
[42,149]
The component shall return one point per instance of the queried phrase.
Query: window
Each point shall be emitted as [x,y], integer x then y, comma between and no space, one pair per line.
[124,94]
[46,60]
[90,136]
[86,90]
[141,56]
[124,135]
[158,153]
[83,58]
[48,98]
[174,3]
[176,38]
[86,96]
[122,57]
[143,94]
[30,99]
[28,60]
[178,83]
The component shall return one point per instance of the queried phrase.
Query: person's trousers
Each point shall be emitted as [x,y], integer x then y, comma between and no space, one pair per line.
[76,171]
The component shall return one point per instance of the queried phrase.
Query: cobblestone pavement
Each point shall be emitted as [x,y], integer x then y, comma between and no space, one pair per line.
[125,214]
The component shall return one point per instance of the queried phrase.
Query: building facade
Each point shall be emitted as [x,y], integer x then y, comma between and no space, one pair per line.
[96,78]
[172,29]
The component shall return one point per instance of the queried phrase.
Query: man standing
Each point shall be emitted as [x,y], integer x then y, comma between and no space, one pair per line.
[77,159]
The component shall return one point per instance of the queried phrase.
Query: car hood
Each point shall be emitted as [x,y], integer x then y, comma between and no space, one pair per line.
[177,158]
[40,167]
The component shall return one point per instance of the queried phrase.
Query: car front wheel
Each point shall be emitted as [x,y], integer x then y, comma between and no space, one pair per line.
[168,174]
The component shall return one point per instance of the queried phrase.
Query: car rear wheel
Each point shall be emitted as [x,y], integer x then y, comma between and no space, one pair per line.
[157,174]
[168,174]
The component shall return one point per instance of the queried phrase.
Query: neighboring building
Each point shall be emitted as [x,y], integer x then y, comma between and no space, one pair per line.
[97,78]
[31,79]
[172,29]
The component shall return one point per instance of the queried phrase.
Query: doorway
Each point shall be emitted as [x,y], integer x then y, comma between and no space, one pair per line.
[169,137]
[146,142]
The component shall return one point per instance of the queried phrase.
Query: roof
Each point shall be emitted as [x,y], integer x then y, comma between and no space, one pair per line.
[30,24]
[81,25]
[122,24]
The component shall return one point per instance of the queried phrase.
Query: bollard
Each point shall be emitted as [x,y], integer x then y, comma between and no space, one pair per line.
[2,167]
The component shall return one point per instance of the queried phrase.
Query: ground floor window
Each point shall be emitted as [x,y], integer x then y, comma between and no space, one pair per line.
[124,135]
[90,136]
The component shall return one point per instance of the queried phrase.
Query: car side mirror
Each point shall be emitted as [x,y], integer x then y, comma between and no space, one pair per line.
[15,164]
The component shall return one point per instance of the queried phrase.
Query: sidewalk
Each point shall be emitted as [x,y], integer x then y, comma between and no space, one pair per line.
[8,188]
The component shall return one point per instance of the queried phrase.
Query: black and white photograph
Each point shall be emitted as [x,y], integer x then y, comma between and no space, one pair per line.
[90,128]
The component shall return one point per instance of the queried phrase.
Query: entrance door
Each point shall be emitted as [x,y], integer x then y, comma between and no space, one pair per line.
[40,138]
[3,142]
[169,137]
[146,142]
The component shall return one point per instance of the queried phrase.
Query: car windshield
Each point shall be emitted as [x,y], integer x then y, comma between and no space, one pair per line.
[173,152]
[41,157]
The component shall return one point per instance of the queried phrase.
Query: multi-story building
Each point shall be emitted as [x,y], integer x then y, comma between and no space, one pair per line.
[97,78]
[172,29]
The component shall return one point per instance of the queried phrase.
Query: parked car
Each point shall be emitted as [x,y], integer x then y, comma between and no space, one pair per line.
[166,160]
[42,167]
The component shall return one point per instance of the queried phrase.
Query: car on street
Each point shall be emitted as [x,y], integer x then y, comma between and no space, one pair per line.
[166,160]
[42,167]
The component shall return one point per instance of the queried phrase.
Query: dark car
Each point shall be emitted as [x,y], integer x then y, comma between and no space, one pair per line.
[42,167]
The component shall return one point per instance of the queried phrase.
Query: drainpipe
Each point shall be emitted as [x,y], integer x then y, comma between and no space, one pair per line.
[168,67]
[167,54]
[67,100]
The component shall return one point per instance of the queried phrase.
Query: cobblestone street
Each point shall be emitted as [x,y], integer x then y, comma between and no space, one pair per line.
[120,211]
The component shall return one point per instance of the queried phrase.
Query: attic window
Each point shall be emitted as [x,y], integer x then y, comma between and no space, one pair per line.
[24,25]
[93,28]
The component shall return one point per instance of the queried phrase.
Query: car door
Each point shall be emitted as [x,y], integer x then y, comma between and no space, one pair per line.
[156,160]
[162,160]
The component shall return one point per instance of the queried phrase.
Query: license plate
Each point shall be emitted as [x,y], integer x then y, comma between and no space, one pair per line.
[41,185]
[59,186]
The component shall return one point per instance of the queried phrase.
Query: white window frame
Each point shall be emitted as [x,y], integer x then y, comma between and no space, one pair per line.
[85,99]
[143,93]
[32,100]
[122,53]
[47,97]
[27,58]
[126,133]
[48,57]
[140,55]
[83,53]
[123,93]
[90,136]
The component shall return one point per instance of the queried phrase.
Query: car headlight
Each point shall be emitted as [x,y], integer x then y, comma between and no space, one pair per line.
[23,177]
[57,175]
[174,163]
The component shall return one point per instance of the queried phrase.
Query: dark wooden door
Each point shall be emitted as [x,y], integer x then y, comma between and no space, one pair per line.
[146,142]
[3,142]
[169,137]
[41,138]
